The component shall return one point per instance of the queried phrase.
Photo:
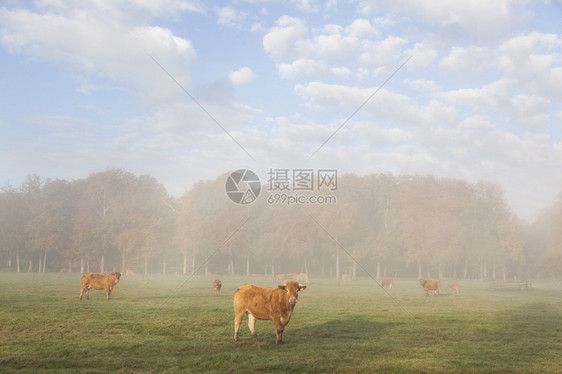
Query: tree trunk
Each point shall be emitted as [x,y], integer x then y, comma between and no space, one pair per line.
[40,262]
[419,270]
[18,261]
[185,263]
[30,266]
[338,263]
[81,264]
[145,266]
[123,262]
[45,262]
[102,264]
[248,266]
[481,269]
[230,262]
[164,266]
[378,269]
[70,265]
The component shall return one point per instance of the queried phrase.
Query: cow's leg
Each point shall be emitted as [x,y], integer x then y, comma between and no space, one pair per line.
[107,293]
[88,293]
[252,325]
[82,291]
[237,321]
[278,332]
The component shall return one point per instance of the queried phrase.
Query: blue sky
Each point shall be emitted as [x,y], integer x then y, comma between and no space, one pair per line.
[479,97]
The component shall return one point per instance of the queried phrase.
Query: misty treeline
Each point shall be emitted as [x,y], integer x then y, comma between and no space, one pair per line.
[378,225]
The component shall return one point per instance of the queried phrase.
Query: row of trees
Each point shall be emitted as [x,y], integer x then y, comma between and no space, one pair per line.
[379,224]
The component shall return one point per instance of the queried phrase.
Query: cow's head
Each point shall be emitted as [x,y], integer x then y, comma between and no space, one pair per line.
[292,289]
[117,276]
[422,281]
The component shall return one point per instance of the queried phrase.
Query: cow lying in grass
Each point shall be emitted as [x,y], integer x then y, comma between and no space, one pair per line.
[106,282]
[275,304]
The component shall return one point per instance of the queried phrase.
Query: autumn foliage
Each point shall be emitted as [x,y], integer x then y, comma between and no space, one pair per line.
[381,226]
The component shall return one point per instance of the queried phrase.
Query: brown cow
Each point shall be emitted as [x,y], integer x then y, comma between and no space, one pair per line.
[453,287]
[262,303]
[387,283]
[430,284]
[217,285]
[106,282]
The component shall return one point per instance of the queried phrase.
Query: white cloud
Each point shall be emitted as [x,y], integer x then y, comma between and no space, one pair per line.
[482,20]
[468,59]
[362,29]
[242,76]
[282,41]
[96,44]
[229,16]
[306,5]
[489,96]
[529,111]
[311,68]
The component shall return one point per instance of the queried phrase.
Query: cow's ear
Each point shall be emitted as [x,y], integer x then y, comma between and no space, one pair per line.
[301,287]
[282,287]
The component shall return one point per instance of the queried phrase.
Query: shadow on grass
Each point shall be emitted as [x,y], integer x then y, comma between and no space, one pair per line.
[352,328]
[526,338]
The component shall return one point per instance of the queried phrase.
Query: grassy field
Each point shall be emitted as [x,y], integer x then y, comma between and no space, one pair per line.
[174,324]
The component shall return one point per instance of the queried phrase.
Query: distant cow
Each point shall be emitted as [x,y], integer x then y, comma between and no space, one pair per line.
[453,288]
[217,285]
[106,282]
[430,285]
[302,277]
[275,304]
[387,283]
[285,277]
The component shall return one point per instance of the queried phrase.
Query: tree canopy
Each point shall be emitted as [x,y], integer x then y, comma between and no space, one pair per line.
[412,225]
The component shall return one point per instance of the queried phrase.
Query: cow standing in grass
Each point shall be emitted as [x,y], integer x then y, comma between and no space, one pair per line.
[387,283]
[217,285]
[106,282]
[453,288]
[275,304]
[430,285]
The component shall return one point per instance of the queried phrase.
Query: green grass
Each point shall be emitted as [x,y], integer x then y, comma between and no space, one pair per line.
[173,324]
